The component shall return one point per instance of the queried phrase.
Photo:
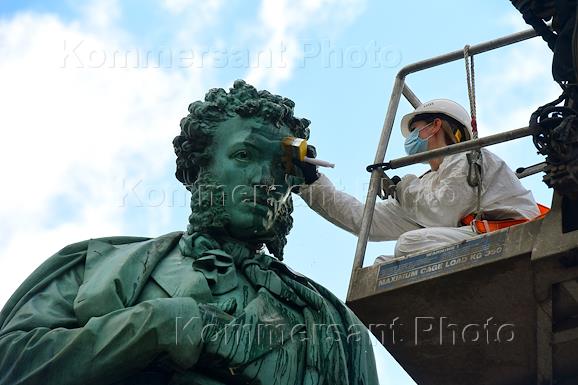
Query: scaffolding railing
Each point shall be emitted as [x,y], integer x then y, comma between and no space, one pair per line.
[400,88]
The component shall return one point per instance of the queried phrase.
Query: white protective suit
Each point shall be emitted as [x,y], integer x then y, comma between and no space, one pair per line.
[431,207]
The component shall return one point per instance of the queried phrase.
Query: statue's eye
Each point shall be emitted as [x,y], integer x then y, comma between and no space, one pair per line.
[241,155]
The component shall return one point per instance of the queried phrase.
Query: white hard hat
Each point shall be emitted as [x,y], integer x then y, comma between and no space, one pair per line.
[440,106]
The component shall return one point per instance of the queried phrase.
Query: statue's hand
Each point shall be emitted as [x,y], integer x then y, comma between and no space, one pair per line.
[177,324]
[262,327]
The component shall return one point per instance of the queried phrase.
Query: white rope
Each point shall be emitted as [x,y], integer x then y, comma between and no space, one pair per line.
[471,82]
[475,156]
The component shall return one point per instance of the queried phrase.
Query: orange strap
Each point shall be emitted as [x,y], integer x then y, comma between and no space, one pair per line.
[485,226]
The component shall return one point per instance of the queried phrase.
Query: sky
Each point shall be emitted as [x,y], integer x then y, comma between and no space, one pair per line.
[92,94]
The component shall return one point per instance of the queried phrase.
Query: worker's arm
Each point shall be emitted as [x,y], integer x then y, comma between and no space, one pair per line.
[44,344]
[440,198]
[345,211]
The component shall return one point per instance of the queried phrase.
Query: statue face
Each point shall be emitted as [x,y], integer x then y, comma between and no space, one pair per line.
[248,167]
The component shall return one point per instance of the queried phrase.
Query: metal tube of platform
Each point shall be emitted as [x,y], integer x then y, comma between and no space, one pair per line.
[474,49]
[374,183]
[410,96]
[460,147]
[523,172]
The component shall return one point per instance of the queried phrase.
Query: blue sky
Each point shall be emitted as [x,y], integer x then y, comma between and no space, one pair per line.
[92,95]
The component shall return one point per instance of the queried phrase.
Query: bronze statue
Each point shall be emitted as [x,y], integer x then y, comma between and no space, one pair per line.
[207,306]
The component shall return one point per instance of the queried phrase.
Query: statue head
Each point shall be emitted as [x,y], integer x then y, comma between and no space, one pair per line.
[229,155]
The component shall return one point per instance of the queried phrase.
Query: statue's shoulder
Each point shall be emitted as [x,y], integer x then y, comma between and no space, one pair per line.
[84,246]
[74,254]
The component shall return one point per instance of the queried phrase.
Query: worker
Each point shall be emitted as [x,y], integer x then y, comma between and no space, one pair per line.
[428,211]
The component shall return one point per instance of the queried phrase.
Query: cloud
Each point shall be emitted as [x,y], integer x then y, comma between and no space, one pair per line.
[208,9]
[281,23]
[194,18]
[100,14]
[73,131]
[516,82]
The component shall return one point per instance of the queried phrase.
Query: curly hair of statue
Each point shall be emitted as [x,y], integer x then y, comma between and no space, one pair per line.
[194,152]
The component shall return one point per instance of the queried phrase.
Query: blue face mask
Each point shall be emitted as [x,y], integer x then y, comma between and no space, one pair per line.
[414,144]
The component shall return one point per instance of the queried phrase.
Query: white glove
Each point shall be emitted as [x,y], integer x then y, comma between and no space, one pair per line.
[401,187]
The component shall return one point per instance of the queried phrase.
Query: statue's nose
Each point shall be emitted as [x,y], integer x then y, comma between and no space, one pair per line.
[263,174]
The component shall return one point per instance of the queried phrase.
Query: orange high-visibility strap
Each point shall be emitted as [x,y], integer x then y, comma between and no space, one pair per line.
[484,226]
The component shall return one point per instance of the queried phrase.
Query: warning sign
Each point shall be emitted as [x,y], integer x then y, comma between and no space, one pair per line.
[441,261]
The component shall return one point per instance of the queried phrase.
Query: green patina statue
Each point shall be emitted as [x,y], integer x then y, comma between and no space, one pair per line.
[208,306]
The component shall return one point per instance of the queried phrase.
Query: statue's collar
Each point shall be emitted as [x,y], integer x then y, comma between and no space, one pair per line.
[196,245]
[218,259]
